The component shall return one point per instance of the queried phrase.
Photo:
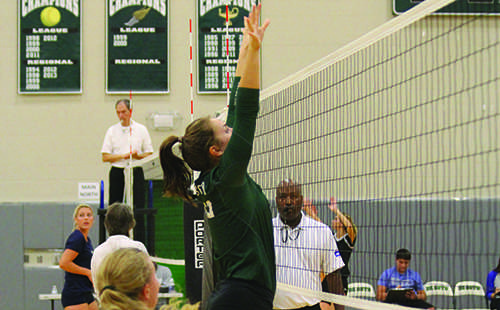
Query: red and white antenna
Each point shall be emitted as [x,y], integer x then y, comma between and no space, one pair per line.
[227,54]
[195,173]
[191,66]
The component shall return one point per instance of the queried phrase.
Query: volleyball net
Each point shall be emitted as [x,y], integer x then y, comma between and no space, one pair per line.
[401,126]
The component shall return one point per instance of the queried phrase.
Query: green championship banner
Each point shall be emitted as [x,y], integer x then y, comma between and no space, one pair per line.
[212,41]
[49,34]
[137,46]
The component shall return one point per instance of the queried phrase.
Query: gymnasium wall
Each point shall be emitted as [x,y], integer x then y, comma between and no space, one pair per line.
[51,142]
[37,226]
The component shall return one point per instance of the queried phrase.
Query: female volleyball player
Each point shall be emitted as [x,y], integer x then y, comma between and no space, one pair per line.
[238,212]
[75,261]
[345,233]
[126,280]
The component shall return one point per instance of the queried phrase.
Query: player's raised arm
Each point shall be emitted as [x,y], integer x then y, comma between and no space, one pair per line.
[250,67]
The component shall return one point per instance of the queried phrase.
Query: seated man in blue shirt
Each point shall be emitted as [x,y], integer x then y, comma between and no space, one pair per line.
[402,277]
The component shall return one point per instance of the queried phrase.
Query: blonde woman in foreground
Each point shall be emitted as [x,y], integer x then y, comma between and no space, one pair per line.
[126,281]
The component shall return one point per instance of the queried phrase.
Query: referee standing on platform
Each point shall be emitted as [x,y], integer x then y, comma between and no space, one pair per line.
[118,145]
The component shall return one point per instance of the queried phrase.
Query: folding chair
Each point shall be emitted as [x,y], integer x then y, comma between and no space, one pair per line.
[440,294]
[361,289]
[470,295]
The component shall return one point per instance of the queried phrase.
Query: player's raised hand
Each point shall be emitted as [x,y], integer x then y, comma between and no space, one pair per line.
[309,208]
[255,32]
[333,204]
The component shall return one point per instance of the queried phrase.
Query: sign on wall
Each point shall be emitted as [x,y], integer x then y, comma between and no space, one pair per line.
[212,43]
[137,46]
[458,7]
[49,37]
[89,192]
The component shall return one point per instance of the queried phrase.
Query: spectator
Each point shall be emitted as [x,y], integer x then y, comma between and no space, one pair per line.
[493,287]
[164,276]
[119,221]
[402,277]
[126,280]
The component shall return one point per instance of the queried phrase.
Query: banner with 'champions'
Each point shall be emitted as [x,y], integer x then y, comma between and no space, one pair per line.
[49,46]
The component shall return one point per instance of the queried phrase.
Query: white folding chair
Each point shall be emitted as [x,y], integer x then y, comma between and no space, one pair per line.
[467,295]
[440,294]
[361,289]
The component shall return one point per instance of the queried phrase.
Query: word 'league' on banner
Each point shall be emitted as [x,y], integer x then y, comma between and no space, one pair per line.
[137,47]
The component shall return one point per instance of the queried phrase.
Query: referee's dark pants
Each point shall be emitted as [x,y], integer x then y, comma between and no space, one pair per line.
[117,188]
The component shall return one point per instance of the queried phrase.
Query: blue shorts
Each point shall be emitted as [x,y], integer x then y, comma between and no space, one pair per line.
[240,294]
[71,298]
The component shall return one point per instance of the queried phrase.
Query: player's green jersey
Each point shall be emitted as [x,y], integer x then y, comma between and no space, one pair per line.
[238,212]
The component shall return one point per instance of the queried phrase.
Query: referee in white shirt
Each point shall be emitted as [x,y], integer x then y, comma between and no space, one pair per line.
[116,150]
[304,249]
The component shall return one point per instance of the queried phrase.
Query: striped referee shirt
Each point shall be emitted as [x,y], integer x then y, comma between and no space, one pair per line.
[302,254]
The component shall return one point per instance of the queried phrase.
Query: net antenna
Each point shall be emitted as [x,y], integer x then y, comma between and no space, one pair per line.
[191,68]
[195,173]
[227,56]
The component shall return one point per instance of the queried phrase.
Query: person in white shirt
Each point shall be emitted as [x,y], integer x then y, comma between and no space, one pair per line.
[119,222]
[119,144]
[304,249]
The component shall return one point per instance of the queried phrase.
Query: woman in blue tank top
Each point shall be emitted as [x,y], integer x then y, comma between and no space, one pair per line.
[78,290]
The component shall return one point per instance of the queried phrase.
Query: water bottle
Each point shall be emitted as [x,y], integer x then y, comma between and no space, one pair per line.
[54,289]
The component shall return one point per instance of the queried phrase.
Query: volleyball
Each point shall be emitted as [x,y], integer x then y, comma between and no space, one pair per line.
[50,16]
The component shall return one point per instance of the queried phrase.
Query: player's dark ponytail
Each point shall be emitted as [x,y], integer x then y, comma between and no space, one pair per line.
[180,155]
[177,176]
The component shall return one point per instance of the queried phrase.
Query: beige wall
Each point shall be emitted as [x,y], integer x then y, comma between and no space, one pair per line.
[51,143]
